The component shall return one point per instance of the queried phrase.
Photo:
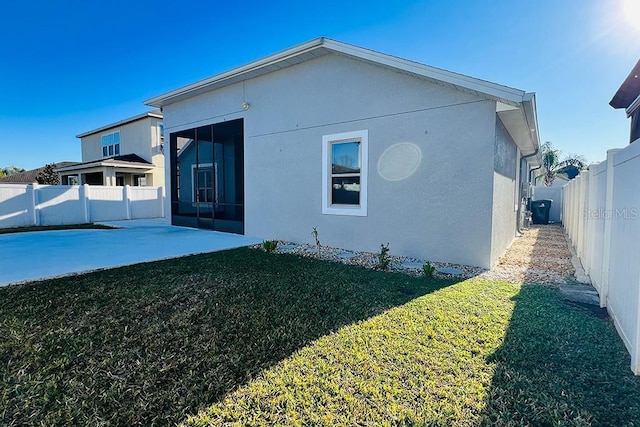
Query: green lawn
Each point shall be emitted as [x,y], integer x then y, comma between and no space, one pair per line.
[54,227]
[249,338]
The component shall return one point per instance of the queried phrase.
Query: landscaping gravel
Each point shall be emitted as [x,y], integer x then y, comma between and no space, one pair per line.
[540,255]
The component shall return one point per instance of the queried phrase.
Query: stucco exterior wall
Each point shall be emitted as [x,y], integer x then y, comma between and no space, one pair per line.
[442,212]
[505,201]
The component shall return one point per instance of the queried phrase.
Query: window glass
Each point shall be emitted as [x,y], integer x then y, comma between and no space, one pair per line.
[345,173]
[111,144]
[345,157]
[345,190]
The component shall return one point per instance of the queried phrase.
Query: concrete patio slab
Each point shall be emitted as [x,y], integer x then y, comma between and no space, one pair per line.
[46,254]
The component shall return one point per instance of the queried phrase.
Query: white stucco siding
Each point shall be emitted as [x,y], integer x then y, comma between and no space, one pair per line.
[91,147]
[442,212]
[504,214]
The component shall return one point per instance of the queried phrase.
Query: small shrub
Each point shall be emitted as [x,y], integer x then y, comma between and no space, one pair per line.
[269,245]
[314,233]
[383,257]
[428,269]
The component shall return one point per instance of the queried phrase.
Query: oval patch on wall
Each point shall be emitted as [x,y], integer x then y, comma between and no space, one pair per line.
[399,161]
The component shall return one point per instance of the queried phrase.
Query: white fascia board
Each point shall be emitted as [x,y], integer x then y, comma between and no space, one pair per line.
[79,166]
[153,114]
[504,94]
[161,100]
[104,163]
[633,106]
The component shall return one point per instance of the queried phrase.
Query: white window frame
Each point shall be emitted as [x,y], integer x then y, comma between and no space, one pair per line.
[327,141]
[112,146]
[160,136]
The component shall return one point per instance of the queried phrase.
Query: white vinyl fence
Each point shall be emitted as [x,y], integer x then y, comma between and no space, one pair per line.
[602,219]
[24,205]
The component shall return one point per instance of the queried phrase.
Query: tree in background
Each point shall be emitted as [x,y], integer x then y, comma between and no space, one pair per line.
[10,170]
[552,166]
[48,176]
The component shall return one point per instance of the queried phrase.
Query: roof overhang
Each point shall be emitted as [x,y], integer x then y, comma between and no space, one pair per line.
[107,163]
[155,114]
[629,91]
[522,124]
[323,46]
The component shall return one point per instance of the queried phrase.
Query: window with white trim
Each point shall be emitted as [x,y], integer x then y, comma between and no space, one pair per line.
[111,144]
[344,173]
[160,128]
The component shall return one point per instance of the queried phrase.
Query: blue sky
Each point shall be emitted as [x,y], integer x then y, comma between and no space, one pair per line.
[71,66]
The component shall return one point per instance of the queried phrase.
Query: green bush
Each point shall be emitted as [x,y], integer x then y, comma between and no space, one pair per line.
[428,269]
[269,245]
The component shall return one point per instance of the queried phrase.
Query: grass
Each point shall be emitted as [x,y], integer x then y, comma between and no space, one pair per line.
[244,337]
[54,227]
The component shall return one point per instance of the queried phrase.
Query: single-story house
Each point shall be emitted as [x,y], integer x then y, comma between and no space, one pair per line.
[367,147]
[31,176]
[128,152]
[628,97]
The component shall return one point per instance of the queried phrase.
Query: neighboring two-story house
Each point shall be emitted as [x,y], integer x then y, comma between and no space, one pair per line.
[129,152]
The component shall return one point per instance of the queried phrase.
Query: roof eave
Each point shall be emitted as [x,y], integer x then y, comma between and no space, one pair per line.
[507,95]
[631,84]
[170,97]
[100,163]
[152,114]
[522,124]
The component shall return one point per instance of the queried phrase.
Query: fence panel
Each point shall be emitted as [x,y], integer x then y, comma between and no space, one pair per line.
[624,265]
[16,205]
[595,223]
[60,204]
[146,202]
[107,203]
[24,205]
[601,216]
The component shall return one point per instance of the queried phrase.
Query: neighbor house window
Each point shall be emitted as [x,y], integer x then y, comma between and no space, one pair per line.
[160,140]
[111,144]
[344,173]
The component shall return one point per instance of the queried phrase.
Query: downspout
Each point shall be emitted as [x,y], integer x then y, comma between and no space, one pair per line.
[534,169]
[519,221]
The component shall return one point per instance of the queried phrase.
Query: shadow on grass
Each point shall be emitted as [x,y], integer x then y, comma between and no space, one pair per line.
[152,343]
[559,365]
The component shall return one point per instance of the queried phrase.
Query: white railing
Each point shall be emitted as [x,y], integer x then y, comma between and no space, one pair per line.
[24,205]
[601,216]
